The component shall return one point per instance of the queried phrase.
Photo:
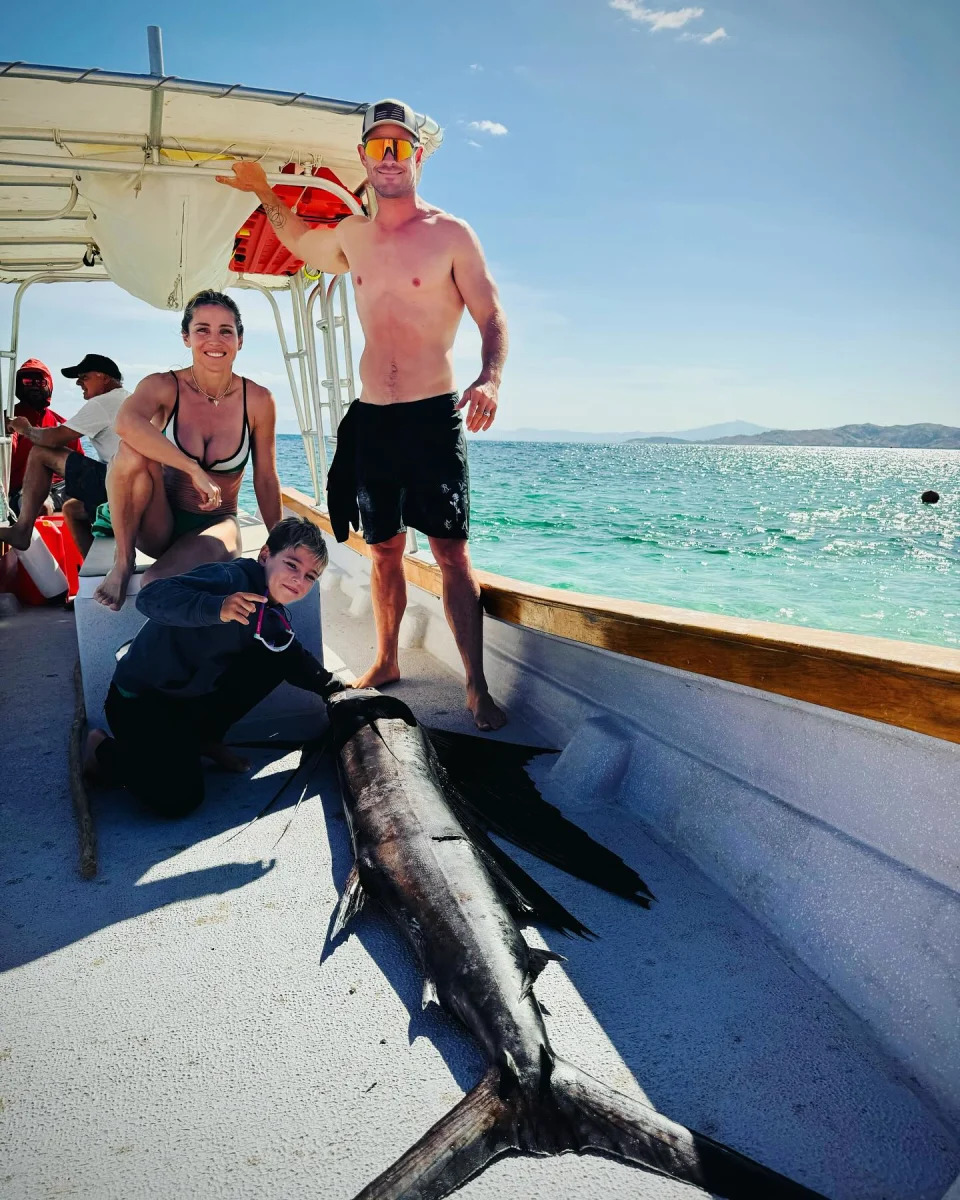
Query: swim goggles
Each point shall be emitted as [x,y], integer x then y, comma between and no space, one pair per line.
[271,645]
[376,148]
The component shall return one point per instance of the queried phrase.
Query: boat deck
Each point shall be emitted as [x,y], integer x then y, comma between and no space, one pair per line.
[176,1028]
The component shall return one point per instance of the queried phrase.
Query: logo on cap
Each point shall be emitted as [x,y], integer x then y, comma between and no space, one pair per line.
[389,112]
[393,112]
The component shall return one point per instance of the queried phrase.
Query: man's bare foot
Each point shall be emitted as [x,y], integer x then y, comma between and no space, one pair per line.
[90,768]
[19,539]
[225,758]
[378,675]
[113,591]
[486,714]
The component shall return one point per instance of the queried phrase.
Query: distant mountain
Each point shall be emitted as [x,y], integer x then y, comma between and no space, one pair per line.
[914,437]
[706,433]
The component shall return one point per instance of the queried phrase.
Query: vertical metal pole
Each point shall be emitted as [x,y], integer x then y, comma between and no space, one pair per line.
[6,442]
[295,288]
[307,377]
[310,340]
[15,339]
[155,50]
[330,364]
[330,307]
[303,418]
[347,347]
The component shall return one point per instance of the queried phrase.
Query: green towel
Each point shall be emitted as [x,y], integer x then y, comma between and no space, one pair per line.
[101,526]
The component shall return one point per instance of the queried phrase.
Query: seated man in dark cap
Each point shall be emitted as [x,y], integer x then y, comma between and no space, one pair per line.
[55,451]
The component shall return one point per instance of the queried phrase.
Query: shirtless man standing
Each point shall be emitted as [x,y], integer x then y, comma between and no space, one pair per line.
[415,268]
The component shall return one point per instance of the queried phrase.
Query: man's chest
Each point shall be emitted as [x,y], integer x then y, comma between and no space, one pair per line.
[405,268]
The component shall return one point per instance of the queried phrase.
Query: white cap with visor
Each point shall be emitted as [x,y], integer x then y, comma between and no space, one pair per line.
[390,112]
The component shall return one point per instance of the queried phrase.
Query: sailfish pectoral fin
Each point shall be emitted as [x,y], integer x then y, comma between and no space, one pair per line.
[537,959]
[351,901]
[487,785]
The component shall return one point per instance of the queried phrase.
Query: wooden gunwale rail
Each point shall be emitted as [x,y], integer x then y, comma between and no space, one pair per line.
[911,685]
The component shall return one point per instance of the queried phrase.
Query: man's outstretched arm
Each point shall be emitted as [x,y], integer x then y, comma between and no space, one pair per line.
[317,247]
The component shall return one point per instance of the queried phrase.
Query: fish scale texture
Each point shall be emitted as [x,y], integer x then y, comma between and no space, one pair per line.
[174,1028]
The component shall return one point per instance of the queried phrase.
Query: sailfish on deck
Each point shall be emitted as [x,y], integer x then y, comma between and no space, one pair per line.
[421,806]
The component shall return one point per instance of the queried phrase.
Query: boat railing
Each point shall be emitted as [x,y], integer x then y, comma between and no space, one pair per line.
[908,684]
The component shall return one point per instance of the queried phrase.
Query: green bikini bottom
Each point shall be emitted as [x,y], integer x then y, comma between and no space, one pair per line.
[183,522]
[191,522]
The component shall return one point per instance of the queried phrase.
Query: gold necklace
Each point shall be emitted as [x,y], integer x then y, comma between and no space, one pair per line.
[216,399]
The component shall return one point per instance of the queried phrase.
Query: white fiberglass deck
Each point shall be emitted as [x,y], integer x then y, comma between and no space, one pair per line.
[173,1027]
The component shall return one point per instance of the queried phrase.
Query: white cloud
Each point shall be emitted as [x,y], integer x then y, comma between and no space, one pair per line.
[707,39]
[491,127]
[471,142]
[657,18]
[476,67]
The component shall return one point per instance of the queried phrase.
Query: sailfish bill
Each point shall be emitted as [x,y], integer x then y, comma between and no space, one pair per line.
[421,806]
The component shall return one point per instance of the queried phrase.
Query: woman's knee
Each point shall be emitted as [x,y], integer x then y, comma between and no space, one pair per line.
[126,458]
[128,461]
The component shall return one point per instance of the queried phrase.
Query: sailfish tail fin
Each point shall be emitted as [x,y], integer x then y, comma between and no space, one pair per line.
[570,1112]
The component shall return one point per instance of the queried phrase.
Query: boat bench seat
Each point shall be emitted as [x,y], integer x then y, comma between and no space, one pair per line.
[101,632]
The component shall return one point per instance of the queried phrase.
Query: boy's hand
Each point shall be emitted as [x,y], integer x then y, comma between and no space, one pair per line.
[240,607]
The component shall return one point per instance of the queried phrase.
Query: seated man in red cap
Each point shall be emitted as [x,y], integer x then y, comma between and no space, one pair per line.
[51,447]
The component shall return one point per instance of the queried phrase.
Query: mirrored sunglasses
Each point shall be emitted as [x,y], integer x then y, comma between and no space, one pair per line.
[376,148]
[278,642]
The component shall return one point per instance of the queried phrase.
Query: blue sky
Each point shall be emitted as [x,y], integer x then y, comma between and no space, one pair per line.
[695,212]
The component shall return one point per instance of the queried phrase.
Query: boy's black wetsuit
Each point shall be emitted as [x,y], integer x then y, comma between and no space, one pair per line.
[188,676]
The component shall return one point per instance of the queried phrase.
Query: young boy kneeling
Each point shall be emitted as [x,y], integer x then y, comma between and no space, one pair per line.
[217,641]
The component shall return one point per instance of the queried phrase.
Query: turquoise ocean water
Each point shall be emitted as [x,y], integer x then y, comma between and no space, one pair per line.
[832,538]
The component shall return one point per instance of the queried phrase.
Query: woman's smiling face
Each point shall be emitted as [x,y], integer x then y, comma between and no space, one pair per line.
[212,337]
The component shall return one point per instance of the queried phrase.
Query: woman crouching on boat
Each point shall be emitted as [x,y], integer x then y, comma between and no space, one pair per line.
[185,437]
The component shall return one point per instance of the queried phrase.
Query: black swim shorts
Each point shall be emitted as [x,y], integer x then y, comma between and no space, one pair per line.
[411,468]
[86,480]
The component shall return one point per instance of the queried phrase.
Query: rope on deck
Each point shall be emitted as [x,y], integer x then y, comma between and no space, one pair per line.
[81,804]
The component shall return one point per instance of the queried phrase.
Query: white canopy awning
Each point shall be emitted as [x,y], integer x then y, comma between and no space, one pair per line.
[74,144]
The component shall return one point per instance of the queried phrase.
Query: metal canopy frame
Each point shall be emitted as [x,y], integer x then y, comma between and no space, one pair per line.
[319,396]
[319,402]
